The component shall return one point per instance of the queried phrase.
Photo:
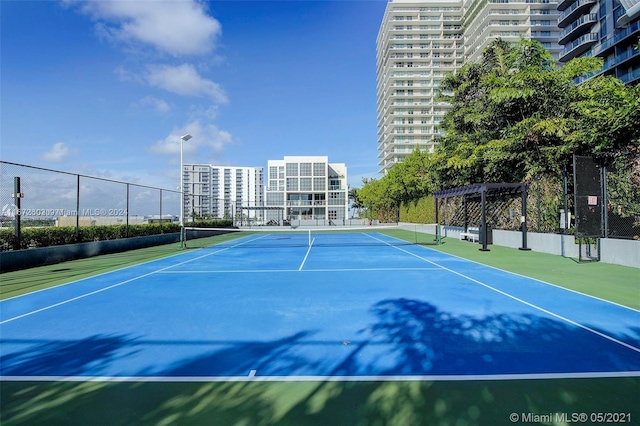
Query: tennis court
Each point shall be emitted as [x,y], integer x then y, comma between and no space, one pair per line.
[296,307]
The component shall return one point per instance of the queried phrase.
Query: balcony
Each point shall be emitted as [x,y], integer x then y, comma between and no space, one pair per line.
[578,28]
[298,203]
[607,46]
[631,77]
[620,59]
[564,4]
[579,46]
[571,14]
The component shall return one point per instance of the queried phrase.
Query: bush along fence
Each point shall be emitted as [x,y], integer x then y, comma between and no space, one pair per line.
[56,236]
[43,208]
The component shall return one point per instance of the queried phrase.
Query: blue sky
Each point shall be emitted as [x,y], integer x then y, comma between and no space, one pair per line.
[106,88]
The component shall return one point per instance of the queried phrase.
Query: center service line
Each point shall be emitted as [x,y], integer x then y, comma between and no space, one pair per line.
[306,255]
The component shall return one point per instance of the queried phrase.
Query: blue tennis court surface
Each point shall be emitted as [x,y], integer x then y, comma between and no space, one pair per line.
[290,311]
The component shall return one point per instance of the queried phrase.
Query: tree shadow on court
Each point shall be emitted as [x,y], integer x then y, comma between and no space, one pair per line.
[416,335]
[426,340]
[63,357]
[239,358]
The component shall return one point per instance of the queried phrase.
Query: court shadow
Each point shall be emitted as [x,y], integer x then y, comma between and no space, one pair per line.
[239,358]
[426,340]
[63,357]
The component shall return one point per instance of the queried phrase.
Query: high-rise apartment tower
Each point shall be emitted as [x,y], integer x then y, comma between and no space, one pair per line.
[220,192]
[607,29]
[421,41]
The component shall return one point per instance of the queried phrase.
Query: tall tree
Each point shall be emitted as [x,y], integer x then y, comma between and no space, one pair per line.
[516,123]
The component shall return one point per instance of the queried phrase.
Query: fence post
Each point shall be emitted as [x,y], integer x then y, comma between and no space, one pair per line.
[524,221]
[483,234]
[605,202]
[17,218]
[160,215]
[538,201]
[127,223]
[78,210]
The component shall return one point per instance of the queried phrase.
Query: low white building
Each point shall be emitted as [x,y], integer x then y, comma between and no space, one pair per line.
[306,189]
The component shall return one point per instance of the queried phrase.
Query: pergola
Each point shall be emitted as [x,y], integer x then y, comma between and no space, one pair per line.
[263,209]
[485,191]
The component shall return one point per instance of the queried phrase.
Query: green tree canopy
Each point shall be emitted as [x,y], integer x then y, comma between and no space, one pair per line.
[516,115]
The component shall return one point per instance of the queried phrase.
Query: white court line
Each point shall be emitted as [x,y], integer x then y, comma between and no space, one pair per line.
[584,327]
[306,255]
[273,271]
[252,377]
[541,281]
[82,296]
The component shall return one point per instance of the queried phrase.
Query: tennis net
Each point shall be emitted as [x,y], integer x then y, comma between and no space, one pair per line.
[272,237]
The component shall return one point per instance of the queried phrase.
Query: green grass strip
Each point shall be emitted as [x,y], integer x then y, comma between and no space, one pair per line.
[309,403]
[28,280]
[619,284]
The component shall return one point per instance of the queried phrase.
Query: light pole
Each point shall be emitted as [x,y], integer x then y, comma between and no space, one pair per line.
[182,140]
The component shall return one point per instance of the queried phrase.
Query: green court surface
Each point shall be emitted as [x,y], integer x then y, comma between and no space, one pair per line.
[313,402]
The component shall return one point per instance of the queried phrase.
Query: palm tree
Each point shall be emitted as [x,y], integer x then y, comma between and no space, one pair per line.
[356,203]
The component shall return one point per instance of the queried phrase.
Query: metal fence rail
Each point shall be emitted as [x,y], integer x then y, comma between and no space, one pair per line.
[38,197]
[545,206]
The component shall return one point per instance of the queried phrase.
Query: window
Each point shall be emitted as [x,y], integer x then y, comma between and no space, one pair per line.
[292,184]
[319,169]
[319,184]
[275,198]
[292,169]
[337,198]
[305,169]
[305,184]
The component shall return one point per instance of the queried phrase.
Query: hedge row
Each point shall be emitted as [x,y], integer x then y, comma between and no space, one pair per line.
[422,210]
[55,236]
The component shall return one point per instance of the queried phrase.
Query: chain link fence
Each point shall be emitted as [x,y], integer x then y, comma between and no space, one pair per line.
[546,206]
[33,197]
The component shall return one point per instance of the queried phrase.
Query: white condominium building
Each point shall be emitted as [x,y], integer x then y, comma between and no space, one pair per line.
[421,41]
[510,20]
[306,189]
[219,192]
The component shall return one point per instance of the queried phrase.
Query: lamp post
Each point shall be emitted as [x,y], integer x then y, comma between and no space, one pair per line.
[182,140]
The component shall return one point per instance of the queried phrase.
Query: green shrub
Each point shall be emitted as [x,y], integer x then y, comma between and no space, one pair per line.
[56,236]
[216,223]
[422,210]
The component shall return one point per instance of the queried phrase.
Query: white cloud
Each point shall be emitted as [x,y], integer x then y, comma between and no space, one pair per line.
[57,153]
[176,27]
[184,80]
[155,103]
[208,142]
[127,75]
